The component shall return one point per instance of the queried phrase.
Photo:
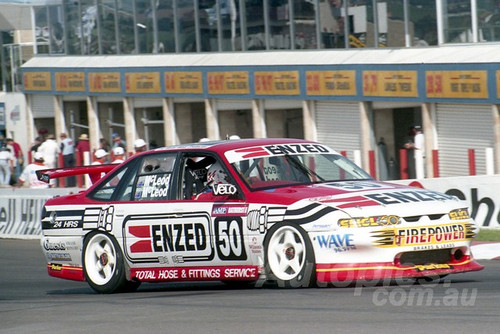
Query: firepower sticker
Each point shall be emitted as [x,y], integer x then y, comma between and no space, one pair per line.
[426,235]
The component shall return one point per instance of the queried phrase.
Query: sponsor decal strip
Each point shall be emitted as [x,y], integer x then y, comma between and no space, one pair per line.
[312,217]
[426,235]
[384,265]
[229,210]
[372,271]
[353,201]
[270,150]
[305,211]
[307,214]
[66,272]
[195,273]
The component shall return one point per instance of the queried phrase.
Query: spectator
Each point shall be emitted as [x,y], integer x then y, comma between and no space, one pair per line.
[50,149]
[6,166]
[18,155]
[118,141]
[416,152]
[119,154]
[100,157]
[29,173]
[68,153]
[140,146]
[82,147]
[36,144]
[103,143]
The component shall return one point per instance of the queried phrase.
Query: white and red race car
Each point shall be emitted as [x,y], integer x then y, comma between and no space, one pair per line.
[291,211]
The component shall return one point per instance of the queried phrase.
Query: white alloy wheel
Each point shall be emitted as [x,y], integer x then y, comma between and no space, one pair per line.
[100,259]
[287,253]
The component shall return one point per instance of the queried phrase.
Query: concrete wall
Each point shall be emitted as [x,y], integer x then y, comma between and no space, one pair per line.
[21,208]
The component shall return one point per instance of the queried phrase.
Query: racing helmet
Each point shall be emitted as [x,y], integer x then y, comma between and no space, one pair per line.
[216,174]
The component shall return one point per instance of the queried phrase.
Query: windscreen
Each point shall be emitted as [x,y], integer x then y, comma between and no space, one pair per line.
[282,168]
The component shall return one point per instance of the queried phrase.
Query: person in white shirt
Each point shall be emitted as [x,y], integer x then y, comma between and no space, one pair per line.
[29,173]
[418,140]
[6,166]
[50,149]
[99,157]
[417,145]
[68,155]
[119,155]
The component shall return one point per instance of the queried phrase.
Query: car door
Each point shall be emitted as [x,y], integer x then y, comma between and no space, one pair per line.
[226,212]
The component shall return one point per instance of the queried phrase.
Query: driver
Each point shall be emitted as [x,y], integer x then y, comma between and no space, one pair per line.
[215,175]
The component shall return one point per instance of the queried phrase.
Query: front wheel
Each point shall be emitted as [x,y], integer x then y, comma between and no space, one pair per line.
[290,257]
[103,264]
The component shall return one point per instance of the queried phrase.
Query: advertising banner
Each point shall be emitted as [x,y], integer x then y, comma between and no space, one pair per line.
[70,81]
[323,83]
[457,84]
[184,82]
[104,82]
[21,210]
[390,83]
[228,82]
[277,83]
[142,82]
[480,193]
[37,81]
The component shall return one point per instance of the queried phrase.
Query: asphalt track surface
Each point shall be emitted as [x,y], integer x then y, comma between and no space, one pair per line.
[33,302]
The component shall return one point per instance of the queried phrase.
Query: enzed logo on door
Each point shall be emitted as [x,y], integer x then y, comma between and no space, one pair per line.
[151,236]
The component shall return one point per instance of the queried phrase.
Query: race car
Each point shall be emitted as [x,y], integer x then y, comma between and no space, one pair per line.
[289,211]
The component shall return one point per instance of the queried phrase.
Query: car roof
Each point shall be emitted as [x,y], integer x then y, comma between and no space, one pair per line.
[222,146]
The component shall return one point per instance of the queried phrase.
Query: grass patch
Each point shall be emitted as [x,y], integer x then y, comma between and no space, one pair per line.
[488,234]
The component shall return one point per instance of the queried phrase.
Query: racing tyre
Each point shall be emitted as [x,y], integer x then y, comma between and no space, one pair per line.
[103,264]
[289,257]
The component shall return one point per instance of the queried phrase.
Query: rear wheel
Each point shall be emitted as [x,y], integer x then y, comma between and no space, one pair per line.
[103,264]
[290,257]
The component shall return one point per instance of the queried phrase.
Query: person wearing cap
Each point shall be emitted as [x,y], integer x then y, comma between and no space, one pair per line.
[6,166]
[418,138]
[416,152]
[29,173]
[50,149]
[118,153]
[82,147]
[100,157]
[140,145]
[118,141]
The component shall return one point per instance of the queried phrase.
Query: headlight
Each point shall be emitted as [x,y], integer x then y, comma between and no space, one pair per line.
[376,221]
[459,214]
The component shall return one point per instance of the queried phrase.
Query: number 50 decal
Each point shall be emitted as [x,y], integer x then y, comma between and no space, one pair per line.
[229,238]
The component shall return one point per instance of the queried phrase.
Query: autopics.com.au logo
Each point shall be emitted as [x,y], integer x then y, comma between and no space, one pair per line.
[420,292]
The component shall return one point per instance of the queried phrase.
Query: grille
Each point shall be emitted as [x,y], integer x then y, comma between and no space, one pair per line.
[425,257]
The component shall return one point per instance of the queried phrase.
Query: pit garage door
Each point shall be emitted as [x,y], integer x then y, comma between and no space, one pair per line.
[461,127]
[338,126]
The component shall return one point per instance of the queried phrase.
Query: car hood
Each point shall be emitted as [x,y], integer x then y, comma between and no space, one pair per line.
[365,198]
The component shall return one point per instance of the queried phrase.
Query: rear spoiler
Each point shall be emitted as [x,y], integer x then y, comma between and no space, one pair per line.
[93,171]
